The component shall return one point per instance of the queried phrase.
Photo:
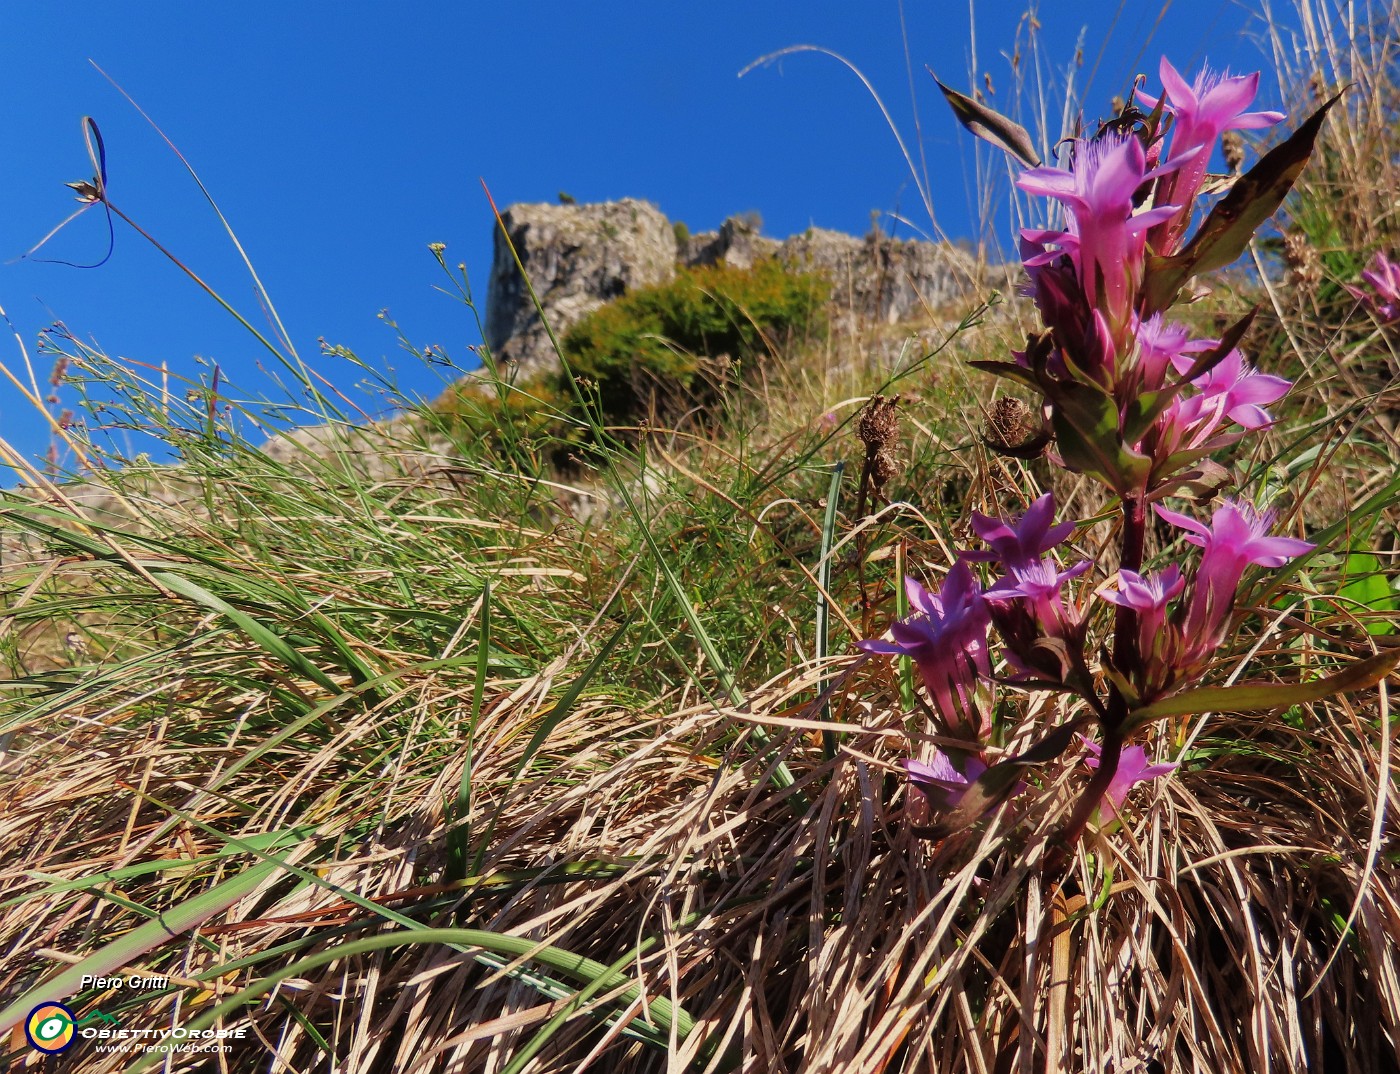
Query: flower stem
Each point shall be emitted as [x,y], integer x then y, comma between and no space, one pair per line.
[1089,801]
[1128,662]
[1126,658]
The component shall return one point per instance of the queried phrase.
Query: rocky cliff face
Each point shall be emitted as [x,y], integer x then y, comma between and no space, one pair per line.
[580,256]
[577,257]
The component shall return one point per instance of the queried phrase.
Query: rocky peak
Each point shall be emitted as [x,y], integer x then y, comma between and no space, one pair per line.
[577,257]
[580,256]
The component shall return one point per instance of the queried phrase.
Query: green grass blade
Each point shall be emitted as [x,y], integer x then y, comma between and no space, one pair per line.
[901,611]
[833,493]
[577,967]
[267,841]
[120,952]
[569,697]
[264,636]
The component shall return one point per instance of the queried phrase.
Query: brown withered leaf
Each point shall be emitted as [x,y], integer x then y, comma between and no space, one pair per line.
[990,125]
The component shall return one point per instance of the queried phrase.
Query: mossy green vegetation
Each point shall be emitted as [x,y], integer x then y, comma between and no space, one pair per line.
[653,353]
[649,347]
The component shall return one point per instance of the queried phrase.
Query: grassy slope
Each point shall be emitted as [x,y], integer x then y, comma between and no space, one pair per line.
[542,792]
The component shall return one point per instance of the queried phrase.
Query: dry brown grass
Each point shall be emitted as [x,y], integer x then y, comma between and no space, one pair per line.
[803,929]
[660,865]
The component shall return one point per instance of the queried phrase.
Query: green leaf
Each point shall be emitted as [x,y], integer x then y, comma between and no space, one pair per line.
[1180,460]
[1367,585]
[998,782]
[1226,232]
[1261,697]
[1086,428]
[1143,411]
[991,126]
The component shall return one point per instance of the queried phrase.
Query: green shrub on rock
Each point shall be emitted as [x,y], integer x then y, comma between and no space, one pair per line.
[647,350]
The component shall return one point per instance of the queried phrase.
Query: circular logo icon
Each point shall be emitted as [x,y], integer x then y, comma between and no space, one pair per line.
[49,1028]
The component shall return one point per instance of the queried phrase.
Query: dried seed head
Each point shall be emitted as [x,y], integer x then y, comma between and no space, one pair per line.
[1304,265]
[1232,145]
[883,467]
[878,427]
[1016,429]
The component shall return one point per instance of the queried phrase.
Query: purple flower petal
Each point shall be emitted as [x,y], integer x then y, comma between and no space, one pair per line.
[1237,537]
[946,637]
[1023,541]
[1133,768]
[1383,276]
[1202,112]
[884,648]
[1199,532]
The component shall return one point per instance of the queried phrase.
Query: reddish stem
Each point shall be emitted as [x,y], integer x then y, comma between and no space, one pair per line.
[1112,753]
[1126,657]
[1128,661]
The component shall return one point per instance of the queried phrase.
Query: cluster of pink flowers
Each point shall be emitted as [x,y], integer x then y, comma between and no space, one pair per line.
[1088,282]
[1136,403]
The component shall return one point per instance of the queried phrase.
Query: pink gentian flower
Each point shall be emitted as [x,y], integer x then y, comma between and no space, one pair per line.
[1025,603]
[1232,391]
[1148,595]
[1237,537]
[941,783]
[946,637]
[1020,542]
[1104,238]
[1162,345]
[1020,547]
[1203,111]
[1383,298]
[1133,769]
[1236,389]
[1039,582]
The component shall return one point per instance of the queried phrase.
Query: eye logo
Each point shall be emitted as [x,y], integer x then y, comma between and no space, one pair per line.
[49,1028]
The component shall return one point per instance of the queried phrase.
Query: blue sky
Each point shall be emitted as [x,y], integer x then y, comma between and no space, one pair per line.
[340,139]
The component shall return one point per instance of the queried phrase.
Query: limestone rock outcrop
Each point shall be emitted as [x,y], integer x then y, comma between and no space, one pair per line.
[580,256]
[880,279]
[577,257]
